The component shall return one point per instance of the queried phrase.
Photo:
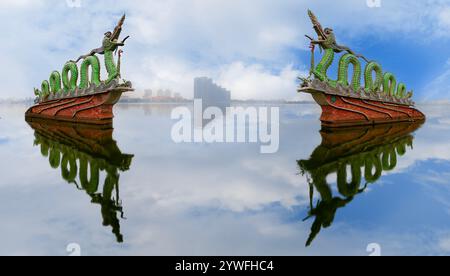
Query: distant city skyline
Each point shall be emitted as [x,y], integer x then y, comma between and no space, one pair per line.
[154,95]
[160,93]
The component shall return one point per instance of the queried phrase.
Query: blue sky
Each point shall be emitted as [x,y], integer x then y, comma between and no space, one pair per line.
[256,48]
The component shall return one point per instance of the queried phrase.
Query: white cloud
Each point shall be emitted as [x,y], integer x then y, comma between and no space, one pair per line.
[256,82]
[20,4]
[444,244]
[444,18]
[246,81]
[414,18]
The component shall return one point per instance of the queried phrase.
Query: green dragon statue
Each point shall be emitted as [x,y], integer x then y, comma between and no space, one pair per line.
[384,83]
[60,85]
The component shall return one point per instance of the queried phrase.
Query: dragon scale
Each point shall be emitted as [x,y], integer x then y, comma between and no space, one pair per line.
[67,81]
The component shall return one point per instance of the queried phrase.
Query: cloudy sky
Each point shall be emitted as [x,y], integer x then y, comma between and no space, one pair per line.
[256,48]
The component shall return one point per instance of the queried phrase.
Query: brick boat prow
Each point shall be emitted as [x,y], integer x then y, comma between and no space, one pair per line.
[87,108]
[342,107]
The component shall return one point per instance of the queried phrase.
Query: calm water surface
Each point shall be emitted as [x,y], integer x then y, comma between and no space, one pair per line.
[137,192]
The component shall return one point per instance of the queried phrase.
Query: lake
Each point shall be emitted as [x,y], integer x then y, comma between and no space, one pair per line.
[134,191]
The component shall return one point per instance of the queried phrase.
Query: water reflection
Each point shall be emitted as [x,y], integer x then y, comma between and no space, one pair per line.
[86,155]
[364,153]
